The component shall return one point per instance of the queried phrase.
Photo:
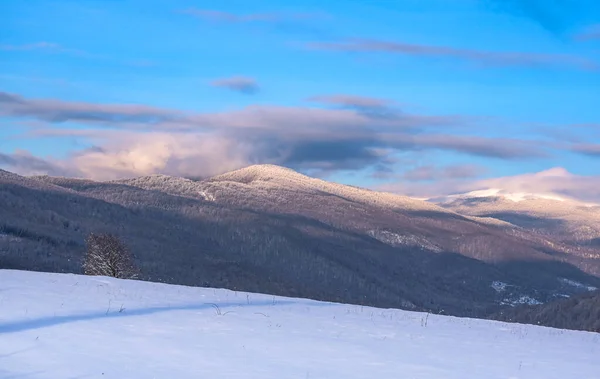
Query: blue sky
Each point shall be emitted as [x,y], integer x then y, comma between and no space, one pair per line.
[417,97]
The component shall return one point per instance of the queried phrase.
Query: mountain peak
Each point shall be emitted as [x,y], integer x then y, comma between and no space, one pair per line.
[268,179]
[260,172]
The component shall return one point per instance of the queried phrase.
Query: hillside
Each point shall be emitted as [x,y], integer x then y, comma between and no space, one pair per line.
[392,219]
[272,230]
[580,312]
[70,326]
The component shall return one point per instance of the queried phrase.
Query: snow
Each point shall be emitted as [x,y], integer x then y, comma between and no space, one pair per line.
[499,286]
[396,239]
[524,299]
[207,196]
[267,177]
[491,221]
[513,196]
[577,284]
[575,220]
[10,238]
[518,300]
[70,326]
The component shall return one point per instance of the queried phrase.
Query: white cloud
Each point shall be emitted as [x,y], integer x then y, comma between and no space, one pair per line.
[150,153]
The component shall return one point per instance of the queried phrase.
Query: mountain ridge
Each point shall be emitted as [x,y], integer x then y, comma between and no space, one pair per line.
[566,219]
[513,196]
[267,176]
[274,230]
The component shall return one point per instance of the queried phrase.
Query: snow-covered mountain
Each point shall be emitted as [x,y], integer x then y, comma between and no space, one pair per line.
[513,196]
[516,197]
[265,179]
[70,326]
[392,219]
[270,229]
[550,214]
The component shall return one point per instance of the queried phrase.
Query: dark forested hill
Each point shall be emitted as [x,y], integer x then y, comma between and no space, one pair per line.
[580,312]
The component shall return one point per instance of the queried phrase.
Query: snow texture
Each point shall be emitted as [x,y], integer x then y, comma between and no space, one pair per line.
[524,299]
[267,178]
[517,197]
[395,239]
[580,221]
[69,326]
[577,284]
[499,286]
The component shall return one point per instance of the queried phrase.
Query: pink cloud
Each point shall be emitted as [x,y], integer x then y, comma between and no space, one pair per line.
[556,181]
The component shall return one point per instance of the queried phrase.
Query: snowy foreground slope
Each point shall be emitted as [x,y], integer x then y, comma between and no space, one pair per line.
[70,326]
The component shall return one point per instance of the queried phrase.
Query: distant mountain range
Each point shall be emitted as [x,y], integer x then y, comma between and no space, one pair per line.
[270,229]
[550,215]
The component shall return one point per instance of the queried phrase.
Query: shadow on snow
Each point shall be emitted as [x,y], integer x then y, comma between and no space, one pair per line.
[44,322]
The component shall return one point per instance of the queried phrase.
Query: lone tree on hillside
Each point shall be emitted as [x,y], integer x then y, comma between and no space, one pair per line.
[107,255]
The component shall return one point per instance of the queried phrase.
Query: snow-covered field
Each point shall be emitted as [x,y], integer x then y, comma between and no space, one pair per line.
[68,326]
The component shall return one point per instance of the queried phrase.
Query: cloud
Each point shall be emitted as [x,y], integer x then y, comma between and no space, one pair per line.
[588,149]
[10,98]
[56,111]
[370,106]
[352,101]
[28,164]
[554,181]
[121,153]
[292,120]
[503,148]
[486,58]
[238,83]
[134,140]
[499,148]
[128,154]
[124,153]
[430,172]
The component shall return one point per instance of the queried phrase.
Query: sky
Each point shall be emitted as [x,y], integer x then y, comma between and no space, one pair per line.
[419,98]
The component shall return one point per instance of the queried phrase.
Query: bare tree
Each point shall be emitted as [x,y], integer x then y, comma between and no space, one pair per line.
[107,255]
